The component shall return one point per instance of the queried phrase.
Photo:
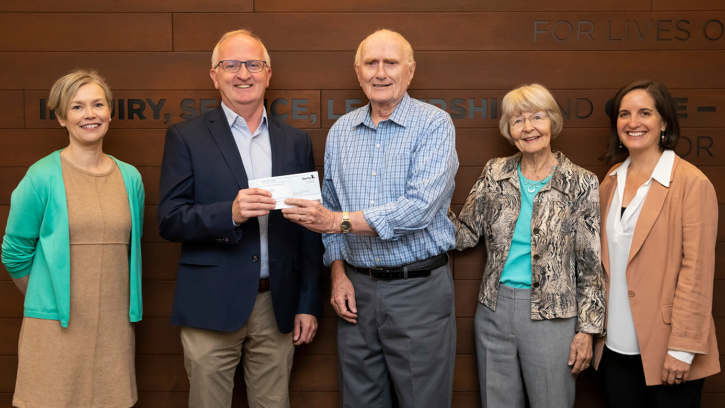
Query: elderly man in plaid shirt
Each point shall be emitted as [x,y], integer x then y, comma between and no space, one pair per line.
[389,170]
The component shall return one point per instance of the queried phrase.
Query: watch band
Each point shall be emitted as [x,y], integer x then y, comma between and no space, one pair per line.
[345,224]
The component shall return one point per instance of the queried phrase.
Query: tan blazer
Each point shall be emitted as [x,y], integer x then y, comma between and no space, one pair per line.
[670,271]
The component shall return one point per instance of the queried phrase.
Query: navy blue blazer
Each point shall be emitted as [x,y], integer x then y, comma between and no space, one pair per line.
[201,175]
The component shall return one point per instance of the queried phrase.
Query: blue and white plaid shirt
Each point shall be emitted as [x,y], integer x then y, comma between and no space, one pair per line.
[401,175]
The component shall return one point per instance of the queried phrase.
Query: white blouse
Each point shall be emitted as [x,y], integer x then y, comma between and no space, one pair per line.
[621,335]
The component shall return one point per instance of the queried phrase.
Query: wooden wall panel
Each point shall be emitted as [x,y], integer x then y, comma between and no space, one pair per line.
[11,112]
[134,6]
[159,109]
[469,54]
[160,260]
[9,334]
[687,5]
[453,5]
[482,31]
[327,70]
[97,32]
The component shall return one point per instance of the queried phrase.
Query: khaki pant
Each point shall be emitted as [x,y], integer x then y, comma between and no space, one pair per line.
[211,358]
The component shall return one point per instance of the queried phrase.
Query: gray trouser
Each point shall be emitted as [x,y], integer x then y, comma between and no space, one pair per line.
[514,350]
[405,334]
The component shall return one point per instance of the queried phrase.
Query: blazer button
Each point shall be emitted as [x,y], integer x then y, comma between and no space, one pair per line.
[631,293]
[536,231]
[536,284]
[255,258]
[219,240]
[536,257]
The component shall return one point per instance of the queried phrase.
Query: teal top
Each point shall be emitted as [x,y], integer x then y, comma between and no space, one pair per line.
[517,269]
[37,239]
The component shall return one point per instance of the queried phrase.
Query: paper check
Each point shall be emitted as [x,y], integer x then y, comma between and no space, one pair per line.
[302,185]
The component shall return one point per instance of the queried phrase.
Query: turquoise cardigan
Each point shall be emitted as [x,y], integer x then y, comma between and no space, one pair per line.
[37,239]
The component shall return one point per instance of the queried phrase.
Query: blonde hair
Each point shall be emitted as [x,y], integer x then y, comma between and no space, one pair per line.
[406,46]
[65,88]
[244,31]
[530,98]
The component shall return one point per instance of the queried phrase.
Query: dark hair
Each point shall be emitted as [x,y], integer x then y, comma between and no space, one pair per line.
[665,107]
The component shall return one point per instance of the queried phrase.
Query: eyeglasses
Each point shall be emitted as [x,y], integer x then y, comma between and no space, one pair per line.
[235,66]
[535,119]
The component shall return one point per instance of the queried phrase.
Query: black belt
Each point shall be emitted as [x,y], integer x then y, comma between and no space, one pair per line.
[420,269]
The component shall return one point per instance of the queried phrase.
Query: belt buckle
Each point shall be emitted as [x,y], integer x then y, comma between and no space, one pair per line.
[370,273]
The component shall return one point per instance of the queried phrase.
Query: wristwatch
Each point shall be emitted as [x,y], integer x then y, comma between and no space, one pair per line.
[345,224]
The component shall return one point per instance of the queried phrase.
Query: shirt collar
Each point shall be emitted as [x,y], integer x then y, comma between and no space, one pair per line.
[232,116]
[399,116]
[662,171]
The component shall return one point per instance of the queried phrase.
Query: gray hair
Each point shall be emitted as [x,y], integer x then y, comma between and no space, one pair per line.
[244,31]
[530,98]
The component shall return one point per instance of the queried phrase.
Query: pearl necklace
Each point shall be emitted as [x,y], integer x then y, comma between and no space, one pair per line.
[532,186]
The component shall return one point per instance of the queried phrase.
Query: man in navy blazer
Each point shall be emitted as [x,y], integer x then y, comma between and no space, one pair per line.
[248,285]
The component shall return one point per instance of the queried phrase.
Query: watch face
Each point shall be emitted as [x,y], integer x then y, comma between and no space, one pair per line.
[346,225]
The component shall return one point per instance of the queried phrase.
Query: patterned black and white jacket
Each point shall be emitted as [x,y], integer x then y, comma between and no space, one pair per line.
[566,274]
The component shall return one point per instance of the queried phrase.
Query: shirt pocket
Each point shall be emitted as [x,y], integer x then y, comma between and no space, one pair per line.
[559,216]
[395,176]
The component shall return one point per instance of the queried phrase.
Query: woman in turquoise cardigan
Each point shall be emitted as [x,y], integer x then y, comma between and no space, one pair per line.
[73,247]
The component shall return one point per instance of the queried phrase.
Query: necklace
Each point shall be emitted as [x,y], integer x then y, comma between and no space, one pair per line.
[532,186]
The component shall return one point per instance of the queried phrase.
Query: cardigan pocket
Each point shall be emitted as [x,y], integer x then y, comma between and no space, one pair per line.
[667,314]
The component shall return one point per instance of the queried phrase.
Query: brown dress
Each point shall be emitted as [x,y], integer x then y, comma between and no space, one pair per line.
[91,362]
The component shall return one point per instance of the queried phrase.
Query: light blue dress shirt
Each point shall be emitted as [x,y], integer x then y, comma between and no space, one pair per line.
[400,174]
[256,151]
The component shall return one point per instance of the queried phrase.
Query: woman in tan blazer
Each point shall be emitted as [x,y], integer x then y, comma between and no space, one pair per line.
[658,232]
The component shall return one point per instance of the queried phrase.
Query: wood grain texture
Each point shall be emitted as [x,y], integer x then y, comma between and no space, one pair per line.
[471,31]
[9,334]
[11,111]
[134,6]
[687,5]
[307,70]
[453,5]
[98,32]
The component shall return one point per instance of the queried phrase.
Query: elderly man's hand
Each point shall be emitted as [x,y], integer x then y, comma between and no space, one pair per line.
[305,329]
[343,294]
[252,202]
[580,352]
[312,215]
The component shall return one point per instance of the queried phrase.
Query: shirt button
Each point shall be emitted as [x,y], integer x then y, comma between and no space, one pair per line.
[255,258]
[262,263]
[536,231]
[261,232]
[372,201]
[377,259]
[536,257]
[631,293]
[536,284]
[256,168]
[375,173]
[377,145]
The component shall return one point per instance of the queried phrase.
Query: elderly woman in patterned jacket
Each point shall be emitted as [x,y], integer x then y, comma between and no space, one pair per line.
[542,295]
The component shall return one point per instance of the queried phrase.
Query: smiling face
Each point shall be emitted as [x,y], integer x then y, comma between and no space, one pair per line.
[532,138]
[639,124]
[383,71]
[88,115]
[241,91]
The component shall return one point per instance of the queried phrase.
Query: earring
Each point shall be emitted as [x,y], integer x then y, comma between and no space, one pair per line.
[662,136]
[620,143]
